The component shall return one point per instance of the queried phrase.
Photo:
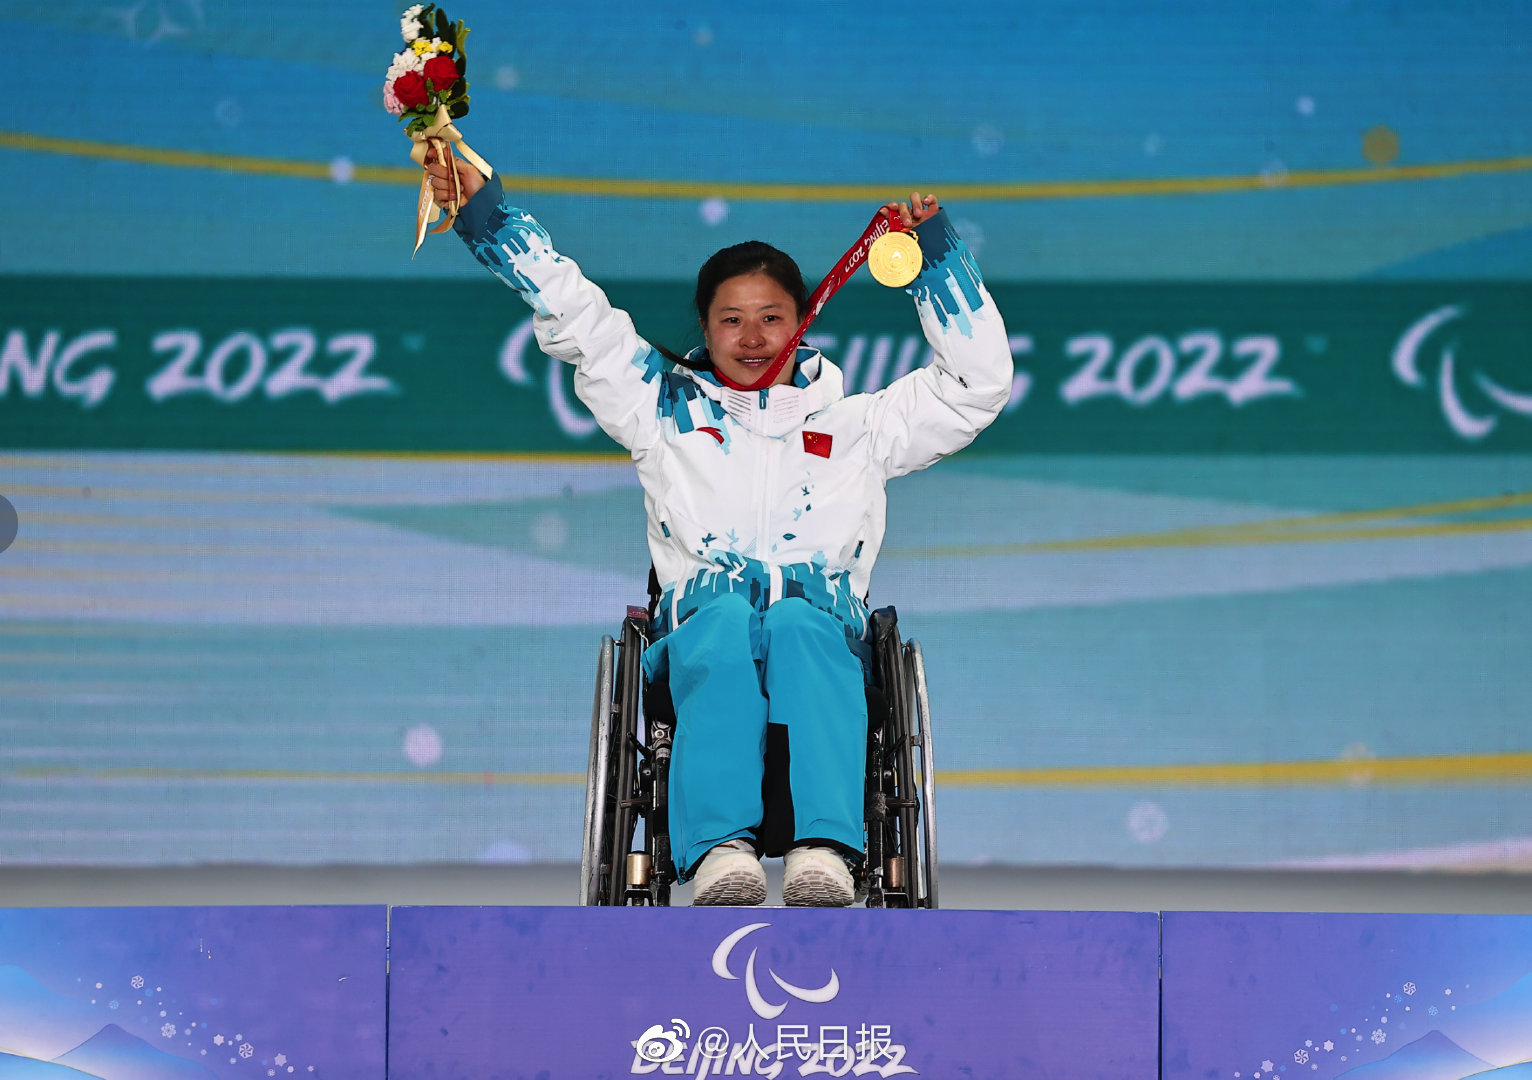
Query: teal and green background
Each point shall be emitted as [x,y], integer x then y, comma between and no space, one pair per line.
[315,548]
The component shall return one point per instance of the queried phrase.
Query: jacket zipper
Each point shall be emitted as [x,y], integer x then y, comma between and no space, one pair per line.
[767,476]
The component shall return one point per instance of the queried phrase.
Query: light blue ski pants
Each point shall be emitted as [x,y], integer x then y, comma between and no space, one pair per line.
[732,670]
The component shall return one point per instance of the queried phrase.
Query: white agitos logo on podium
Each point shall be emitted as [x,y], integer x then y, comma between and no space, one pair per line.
[763,1008]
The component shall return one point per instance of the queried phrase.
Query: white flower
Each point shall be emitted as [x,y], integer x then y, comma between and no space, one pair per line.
[409,24]
[405,61]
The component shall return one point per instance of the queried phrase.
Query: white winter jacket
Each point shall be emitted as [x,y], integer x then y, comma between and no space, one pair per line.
[770,493]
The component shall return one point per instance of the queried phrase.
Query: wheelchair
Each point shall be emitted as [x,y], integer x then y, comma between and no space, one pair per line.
[627,781]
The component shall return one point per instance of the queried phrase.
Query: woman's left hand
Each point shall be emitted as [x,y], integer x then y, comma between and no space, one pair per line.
[915,211]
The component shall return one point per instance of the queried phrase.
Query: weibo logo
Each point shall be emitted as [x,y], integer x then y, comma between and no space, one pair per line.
[1463,420]
[763,1008]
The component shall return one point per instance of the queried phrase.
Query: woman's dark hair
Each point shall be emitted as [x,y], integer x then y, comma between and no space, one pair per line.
[751,257]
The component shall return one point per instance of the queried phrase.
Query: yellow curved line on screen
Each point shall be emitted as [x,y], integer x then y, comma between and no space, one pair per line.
[1312,528]
[625,188]
[1241,538]
[1454,769]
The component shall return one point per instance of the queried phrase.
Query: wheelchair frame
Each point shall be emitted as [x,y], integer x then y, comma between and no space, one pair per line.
[627,778]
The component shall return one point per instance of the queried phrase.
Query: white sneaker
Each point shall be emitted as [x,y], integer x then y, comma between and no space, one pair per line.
[730,874]
[816,877]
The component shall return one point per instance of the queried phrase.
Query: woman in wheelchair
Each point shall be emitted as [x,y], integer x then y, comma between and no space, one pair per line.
[766,512]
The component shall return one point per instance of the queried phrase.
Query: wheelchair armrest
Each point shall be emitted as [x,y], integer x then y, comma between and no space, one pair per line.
[883,626]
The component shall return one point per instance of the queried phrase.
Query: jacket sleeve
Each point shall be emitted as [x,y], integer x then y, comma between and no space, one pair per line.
[937,410]
[615,369]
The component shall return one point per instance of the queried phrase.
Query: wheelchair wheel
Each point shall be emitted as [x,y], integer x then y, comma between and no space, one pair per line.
[900,865]
[925,764]
[598,824]
[626,780]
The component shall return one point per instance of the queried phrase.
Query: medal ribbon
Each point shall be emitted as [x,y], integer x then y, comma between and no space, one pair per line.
[838,276]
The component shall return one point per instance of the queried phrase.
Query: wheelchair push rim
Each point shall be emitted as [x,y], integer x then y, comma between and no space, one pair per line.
[597,770]
[926,895]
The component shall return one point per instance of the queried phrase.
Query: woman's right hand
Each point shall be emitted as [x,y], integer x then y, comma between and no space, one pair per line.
[441,178]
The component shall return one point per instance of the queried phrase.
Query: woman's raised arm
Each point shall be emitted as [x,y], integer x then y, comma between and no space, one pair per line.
[616,371]
[937,410]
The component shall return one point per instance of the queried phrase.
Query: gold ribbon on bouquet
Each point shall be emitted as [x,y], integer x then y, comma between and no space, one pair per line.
[446,140]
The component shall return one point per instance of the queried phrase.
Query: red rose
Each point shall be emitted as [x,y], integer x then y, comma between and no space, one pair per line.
[410,89]
[441,72]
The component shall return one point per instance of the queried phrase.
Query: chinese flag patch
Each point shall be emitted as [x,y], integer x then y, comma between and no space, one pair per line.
[815,442]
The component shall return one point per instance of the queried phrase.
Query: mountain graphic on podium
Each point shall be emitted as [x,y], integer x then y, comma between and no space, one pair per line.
[1498,1030]
[53,1037]
[113,1054]
[1431,1057]
[36,1022]
[110,1054]
[1488,1040]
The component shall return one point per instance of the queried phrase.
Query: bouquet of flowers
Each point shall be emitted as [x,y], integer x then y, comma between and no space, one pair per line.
[426,86]
[427,74]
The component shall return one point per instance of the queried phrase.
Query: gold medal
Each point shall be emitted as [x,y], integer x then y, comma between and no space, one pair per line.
[895,259]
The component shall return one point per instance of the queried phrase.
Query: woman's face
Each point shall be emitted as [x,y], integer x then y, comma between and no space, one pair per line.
[749,321]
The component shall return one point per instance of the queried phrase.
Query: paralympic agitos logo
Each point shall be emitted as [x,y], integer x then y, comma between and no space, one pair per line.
[1471,422]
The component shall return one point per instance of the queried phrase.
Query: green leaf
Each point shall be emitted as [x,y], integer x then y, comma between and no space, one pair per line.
[441,23]
[459,109]
[458,89]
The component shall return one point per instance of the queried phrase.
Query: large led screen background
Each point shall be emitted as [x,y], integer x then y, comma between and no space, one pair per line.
[315,549]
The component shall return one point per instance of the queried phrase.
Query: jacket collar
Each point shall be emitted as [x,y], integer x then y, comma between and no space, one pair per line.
[777,410]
